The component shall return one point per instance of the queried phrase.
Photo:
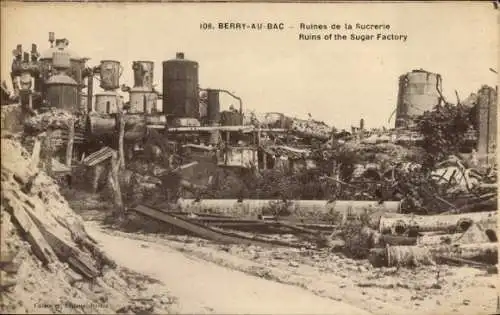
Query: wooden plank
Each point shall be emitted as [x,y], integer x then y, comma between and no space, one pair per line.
[462,261]
[98,156]
[39,245]
[66,252]
[218,218]
[204,232]
[297,228]
[215,220]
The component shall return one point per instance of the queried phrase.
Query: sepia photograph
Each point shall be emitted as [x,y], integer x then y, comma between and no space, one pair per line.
[247,157]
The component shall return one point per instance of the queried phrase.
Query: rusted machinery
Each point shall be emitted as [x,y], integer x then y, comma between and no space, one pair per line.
[98,126]
[57,78]
[38,79]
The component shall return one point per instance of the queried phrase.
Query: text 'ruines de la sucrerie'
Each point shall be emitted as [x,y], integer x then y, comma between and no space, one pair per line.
[347,31]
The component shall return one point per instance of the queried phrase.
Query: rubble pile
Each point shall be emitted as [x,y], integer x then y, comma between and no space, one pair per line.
[11,117]
[306,128]
[53,118]
[48,260]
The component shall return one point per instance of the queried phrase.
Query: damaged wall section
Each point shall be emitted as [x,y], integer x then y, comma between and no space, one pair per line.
[487,116]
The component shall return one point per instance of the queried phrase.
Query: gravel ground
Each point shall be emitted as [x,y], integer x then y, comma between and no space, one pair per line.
[424,290]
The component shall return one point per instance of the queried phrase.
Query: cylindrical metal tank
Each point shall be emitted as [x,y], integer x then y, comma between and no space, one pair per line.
[418,92]
[62,92]
[180,87]
[142,100]
[143,74]
[99,126]
[107,102]
[110,73]
[61,59]
[213,107]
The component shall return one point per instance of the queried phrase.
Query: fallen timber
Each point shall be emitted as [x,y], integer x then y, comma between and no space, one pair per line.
[292,223]
[39,245]
[421,255]
[255,207]
[450,223]
[208,233]
[46,240]
[272,226]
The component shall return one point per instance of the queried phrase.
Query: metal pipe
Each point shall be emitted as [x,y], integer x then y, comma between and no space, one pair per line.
[254,207]
[90,91]
[430,223]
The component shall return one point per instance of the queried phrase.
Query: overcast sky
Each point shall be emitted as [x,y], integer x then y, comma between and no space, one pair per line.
[338,82]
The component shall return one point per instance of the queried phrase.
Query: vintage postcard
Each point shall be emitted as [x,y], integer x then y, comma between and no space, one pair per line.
[249,158]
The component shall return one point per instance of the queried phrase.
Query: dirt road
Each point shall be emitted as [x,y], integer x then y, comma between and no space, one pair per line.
[204,287]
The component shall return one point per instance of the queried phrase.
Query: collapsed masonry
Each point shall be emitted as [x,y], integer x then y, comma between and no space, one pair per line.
[487,111]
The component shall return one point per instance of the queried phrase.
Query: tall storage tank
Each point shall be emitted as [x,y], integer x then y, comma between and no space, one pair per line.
[418,92]
[62,93]
[213,107]
[180,88]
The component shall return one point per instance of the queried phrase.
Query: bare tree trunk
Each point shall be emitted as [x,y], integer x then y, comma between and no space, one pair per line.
[69,146]
[121,135]
[98,170]
[114,183]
